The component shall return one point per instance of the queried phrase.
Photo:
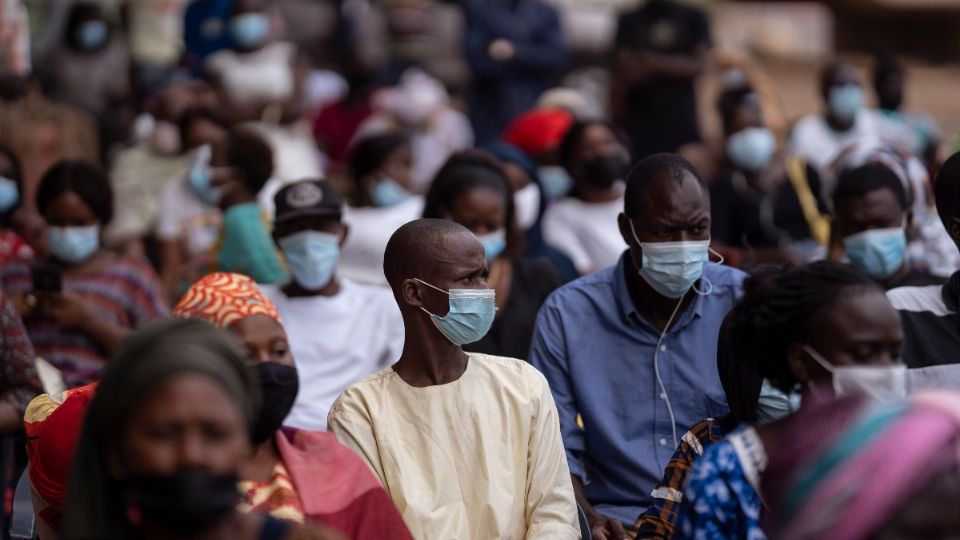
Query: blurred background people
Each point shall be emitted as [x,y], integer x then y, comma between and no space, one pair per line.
[583,224]
[382,198]
[660,49]
[539,134]
[13,245]
[516,51]
[473,190]
[765,205]
[87,298]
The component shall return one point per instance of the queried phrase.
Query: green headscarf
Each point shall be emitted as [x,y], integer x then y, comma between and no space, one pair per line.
[95,508]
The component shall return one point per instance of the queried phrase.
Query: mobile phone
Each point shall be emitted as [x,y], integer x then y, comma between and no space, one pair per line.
[47,278]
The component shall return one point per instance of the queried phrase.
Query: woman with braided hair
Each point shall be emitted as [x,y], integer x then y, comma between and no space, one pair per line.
[789,343]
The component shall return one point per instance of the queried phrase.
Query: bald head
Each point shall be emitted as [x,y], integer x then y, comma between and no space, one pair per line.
[421,248]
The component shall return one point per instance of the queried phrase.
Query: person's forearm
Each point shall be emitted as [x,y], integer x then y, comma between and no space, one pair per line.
[582,498]
[104,333]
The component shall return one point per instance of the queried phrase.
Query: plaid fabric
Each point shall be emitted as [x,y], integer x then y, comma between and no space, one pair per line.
[661,519]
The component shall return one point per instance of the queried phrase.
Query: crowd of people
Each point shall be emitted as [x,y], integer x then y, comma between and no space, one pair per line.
[272,269]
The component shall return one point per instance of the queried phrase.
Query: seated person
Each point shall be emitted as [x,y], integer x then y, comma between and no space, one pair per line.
[467,445]
[294,475]
[93,297]
[931,314]
[241,167]
[914,445]
[165,439]
[339,331]
[871,221]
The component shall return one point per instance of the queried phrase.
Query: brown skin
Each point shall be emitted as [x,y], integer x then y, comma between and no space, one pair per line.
[428,358]
[227,178]
[484,211]
[671,212]
[331,225]
[596,140]
[190,421]
[878,209]
[67,309]
[517,177]
[173,257]
[843,74]
[929,514]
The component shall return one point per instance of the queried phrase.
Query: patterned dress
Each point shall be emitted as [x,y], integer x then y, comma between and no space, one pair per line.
[721,501]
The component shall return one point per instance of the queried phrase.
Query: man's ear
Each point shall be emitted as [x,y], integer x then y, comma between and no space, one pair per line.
[953,229]
[908,220]
[798,363]
[410,292]
[623,222]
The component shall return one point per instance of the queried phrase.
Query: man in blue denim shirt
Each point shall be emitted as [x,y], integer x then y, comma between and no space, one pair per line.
[632,349]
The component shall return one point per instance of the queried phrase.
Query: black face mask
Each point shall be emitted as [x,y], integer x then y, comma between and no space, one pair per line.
[602,171]
[279,385]
[187,502]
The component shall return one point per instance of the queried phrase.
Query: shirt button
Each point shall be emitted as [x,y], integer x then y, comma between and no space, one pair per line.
[663,442]
[663,348]
[663,396]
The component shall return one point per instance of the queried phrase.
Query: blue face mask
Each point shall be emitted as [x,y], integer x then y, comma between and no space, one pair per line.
[200,177]
[774,404]
[469,317]
[751,149]
[92,34]
[555,181]
[73,245]
[672,268]
[877,253]
[845,101]
[9,195]
[494,244]
[250,30]
[387,192]
[312,256]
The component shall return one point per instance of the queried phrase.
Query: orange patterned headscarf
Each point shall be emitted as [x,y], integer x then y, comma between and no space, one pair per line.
[223,299]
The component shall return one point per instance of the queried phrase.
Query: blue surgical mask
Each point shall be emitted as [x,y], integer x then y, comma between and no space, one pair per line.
[92,34]
[751,149]
[774,404]
[845,101]
[250,30]
[469,316]
[73,245]
[200,176]
[312,257]
[672,268]
[555,181]
[493,244]
[388,192]
[877,253]
[9,194]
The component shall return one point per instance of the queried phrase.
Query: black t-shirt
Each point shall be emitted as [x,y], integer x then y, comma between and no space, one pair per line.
[917,278]
[662,115]
[742,217]
[533,280]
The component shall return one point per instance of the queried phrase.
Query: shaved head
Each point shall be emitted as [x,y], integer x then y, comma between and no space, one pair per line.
[419,248]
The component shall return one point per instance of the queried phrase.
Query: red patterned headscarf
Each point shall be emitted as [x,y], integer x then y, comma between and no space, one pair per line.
[223,299]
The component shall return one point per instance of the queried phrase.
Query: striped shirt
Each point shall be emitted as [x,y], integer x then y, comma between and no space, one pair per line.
[126,293]
[931,323]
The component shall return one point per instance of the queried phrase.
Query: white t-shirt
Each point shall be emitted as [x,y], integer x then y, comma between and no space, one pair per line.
[265,75]
[815,141]
[585,232]
[336,342]
[370,229]
[185,217]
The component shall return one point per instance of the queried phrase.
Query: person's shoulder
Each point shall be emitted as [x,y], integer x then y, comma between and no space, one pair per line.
[724,277]
[508,370]
[132,265]
[590,285]
[919,299]
[369,386]
[366,292]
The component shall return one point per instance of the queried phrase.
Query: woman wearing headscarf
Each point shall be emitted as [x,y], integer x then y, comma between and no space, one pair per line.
[869,471]
[798,337]
[293,474]
[164,441]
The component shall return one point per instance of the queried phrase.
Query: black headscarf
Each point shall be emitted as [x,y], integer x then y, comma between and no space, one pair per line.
[95,509]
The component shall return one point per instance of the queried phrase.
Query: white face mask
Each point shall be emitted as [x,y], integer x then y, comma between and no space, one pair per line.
[526,203]
[878,383]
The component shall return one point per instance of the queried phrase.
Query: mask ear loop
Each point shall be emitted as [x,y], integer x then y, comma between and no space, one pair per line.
[704,280]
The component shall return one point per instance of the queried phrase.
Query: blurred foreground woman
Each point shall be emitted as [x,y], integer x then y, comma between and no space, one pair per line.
[164,439]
